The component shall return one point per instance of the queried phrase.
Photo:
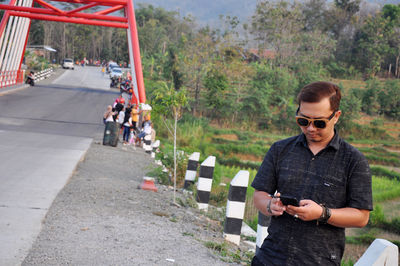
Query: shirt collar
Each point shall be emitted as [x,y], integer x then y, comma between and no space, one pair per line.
[334,143]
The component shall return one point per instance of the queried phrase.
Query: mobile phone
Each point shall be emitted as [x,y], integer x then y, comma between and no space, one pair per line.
[289,200]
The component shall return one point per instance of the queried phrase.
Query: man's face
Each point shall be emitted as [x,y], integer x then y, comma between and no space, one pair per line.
[317,110]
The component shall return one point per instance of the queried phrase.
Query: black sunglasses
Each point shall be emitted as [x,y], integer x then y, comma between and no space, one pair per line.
[318,122]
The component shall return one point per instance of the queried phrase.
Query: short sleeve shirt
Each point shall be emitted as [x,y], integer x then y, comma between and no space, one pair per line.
[338,176]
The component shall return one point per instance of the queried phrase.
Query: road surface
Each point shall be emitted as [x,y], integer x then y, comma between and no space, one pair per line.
[44,131]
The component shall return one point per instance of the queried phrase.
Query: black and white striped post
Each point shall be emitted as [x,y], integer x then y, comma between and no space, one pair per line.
[235,207]
[205,182]
[191,170]
[147,144]
[262,229]
[155,145]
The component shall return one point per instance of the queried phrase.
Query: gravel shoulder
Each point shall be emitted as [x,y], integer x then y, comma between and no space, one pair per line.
[102,218]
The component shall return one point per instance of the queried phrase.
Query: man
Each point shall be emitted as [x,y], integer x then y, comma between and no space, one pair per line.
[329,177]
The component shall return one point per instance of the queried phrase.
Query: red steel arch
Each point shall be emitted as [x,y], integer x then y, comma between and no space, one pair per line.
[14,31]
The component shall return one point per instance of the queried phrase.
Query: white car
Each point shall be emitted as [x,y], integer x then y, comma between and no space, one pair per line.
[111,65]
[116,72]
[68,63]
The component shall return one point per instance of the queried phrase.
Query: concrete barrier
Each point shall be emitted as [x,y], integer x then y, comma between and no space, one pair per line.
[235,207]
[380,253]
[191,170]
[147,144]
[155,145]
[205,182]
[262,229]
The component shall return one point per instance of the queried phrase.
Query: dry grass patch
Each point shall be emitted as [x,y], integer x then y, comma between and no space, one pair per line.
[249,157]
[364,145]
[391,208]
[229,136]
[354,252]
[347,84]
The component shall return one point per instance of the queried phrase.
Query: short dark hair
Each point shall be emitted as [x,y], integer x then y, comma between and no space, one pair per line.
[316,91]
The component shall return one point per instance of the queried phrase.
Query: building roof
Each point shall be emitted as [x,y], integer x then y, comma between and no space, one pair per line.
[41,47]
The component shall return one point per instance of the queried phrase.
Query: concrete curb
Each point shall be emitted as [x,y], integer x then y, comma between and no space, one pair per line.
[13,89]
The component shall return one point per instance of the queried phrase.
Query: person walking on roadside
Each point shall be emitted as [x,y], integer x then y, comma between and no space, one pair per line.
[127,124]
[329,178]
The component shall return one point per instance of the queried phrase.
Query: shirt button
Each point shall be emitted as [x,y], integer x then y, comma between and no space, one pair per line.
[313,158]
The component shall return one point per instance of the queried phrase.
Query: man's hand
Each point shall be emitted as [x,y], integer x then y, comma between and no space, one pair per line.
[307,211]
[268,205]
[276,207]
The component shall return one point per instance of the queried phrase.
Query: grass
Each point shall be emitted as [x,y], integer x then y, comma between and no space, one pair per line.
[385,189]
[382,171]
[228,253]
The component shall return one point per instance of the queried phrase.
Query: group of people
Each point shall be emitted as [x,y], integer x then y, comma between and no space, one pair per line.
[134,123]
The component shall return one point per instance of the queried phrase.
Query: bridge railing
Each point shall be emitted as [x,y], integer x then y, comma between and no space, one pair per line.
[11,77]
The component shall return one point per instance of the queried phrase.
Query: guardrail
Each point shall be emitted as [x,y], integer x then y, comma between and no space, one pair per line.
[380,252]
[11,77]
[44,74]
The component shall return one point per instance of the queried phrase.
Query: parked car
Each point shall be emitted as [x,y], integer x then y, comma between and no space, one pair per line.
[68,63]
[111,65]
[116,72]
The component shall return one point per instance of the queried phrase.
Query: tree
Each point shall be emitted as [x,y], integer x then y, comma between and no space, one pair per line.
[167,102]
[197,59]
[285,28]
[392,14]
[372,43]
[216,84]
[389,99]
[350,106]
[314,14]
[370,103]
[278,26]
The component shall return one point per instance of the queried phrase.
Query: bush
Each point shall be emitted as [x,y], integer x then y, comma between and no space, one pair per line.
[219,196]
[366,132]
[166,156]
[234,161]
[381,171]
[370,103]
[392,226]
[377,216]
[350,106]
[389,99]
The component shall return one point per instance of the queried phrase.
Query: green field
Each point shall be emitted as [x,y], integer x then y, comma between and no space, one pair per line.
[244,150]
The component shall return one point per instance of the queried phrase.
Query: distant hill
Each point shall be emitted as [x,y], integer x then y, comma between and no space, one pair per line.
[207,11]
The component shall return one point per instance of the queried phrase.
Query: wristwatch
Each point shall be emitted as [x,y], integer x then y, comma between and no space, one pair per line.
[326,214]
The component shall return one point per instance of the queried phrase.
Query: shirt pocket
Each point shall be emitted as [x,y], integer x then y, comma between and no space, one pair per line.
[333,191]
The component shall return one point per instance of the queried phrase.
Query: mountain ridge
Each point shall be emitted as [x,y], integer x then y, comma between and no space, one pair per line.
[207,12]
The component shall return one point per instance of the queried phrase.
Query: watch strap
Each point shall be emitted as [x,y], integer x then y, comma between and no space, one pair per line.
[326,214]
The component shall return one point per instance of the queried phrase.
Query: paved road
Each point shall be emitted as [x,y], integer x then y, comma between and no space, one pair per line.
[44,131]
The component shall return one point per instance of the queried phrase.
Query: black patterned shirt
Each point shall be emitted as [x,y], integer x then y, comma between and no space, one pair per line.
[338,176]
